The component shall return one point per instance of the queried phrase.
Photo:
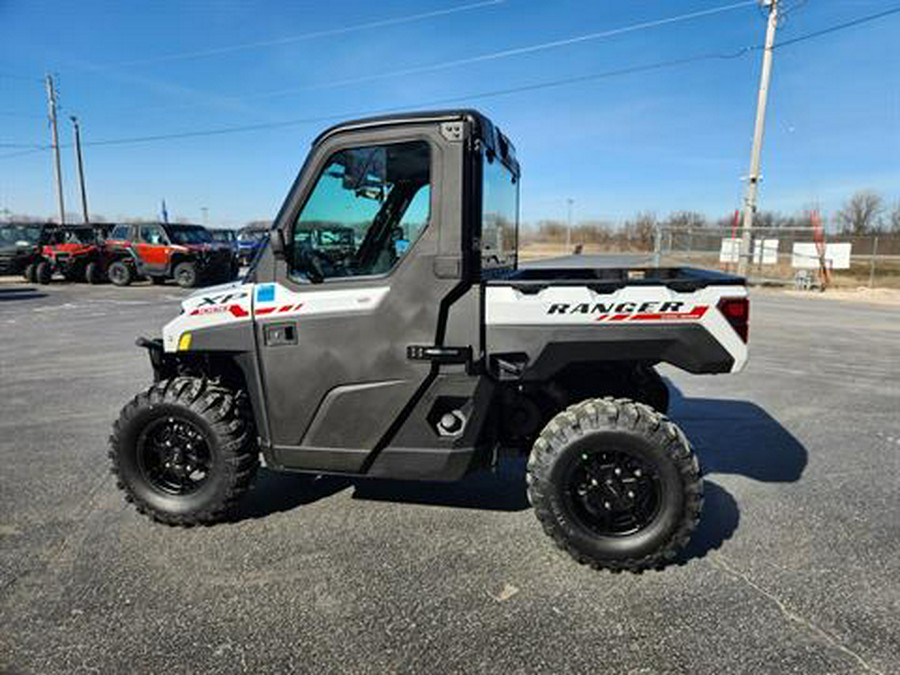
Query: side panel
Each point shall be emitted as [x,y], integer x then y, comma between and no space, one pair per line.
[566,323]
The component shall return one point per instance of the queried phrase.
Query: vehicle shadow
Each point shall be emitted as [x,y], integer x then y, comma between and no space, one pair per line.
[274,492]
[729,436]
[20,293]
[738,437]
[500,489]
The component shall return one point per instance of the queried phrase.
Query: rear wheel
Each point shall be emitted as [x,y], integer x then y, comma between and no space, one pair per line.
[28,273]
[186,274]
[120,273]
[43,272]
[615,484]
[93,274]
[184,451]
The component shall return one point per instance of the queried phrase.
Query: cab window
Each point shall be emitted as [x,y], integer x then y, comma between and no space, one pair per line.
[499,215]
[120,232]
[151,234]
[367,209]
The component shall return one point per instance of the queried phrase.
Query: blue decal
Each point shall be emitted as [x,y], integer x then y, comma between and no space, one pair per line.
[265,293]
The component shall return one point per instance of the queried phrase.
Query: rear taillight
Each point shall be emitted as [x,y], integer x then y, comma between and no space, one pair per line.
[737,312]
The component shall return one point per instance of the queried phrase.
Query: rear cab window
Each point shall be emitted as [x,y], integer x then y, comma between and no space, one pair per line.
[499,215]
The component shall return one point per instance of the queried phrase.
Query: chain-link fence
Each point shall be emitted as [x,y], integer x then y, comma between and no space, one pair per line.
[787,255]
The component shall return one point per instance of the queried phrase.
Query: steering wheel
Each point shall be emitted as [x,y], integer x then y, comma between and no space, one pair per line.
[316,264]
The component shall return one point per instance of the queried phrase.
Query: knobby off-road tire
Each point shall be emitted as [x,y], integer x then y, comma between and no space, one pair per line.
[120,273]
[28,273]
[186,274]
[198,427]
[615,484]
[93,274]
[43,273]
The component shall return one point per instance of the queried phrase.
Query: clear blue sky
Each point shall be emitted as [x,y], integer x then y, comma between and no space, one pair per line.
[674,138]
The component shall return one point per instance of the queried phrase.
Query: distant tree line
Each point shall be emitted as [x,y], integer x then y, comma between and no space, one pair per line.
[864,213]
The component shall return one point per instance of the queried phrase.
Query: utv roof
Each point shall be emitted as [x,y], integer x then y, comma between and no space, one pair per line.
[485,129]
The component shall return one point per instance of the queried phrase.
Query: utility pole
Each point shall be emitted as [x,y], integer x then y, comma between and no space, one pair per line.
[80,162]
[569,203]
[205,212]
[51,106]
[753,177]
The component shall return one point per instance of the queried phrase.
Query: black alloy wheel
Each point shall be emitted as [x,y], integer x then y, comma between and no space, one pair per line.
[174,455]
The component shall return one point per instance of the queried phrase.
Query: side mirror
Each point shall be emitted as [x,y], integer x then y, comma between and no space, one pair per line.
[276,238]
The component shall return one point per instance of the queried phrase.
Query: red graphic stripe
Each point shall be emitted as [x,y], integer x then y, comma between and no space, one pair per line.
[238,311]
[696,313]
[265,310]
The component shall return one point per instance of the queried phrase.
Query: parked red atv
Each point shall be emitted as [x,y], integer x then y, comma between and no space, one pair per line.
[75,252]
[161,251]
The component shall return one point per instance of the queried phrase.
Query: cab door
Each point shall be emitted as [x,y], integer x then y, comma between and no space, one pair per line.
[152,247]
[335,327]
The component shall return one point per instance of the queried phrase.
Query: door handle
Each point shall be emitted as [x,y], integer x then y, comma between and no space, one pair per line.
[275,334]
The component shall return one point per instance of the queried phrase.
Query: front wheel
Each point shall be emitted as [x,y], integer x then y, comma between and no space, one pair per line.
[186,274]
[120,273]
[615,484]
[184,451]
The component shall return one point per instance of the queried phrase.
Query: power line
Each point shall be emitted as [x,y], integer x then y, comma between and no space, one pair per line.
[441,101]
[20,153]
[313,35]
[22,145]
[543,46]
[501,54]
[560,82]
[838,27]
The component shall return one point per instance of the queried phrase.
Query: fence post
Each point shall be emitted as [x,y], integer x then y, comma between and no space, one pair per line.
[657,244]
[872,262]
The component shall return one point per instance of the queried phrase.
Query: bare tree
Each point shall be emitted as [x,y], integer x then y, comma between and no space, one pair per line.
[895,218]
[639,231]
[686,219]
[861,213]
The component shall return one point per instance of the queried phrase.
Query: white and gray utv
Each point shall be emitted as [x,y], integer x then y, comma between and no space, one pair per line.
[386,330]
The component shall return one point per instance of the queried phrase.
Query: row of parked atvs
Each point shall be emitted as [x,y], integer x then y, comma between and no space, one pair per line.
[191,255]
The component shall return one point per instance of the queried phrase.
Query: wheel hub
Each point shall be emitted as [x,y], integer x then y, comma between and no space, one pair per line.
[174,455]
[613,492]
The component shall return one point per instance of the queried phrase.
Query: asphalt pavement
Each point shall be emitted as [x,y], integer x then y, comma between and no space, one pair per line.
[794,568]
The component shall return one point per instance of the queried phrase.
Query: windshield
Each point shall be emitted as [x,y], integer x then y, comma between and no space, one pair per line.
[190,235]
[222,235]
[80,236]
[22,235]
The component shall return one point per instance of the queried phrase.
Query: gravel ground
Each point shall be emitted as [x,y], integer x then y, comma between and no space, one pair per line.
[794,567]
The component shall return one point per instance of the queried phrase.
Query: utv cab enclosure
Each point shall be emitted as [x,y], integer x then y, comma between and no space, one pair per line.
[417,348]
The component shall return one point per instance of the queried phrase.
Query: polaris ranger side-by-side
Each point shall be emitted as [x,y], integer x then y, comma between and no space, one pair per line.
[423,350]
